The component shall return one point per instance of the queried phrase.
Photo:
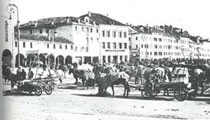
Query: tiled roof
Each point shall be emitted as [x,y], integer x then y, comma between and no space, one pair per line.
[101,19]
[49,22]
[44,38]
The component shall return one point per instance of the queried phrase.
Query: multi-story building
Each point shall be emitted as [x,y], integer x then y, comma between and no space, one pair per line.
[114,43]
[6,35]
[164,42]
[79,38]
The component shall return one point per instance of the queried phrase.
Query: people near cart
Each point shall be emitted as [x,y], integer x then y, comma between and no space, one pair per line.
[19,74]
[23,75]
[30,74]
[45,73]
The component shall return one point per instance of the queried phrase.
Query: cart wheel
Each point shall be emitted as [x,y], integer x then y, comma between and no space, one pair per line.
[180,94]
[48,90]
[148,90]
[30,92]
[38,91]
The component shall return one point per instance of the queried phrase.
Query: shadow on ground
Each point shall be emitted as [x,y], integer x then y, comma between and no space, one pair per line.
[204,98]
[15,93]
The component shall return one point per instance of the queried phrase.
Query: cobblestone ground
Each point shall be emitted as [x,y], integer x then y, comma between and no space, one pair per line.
[80,104]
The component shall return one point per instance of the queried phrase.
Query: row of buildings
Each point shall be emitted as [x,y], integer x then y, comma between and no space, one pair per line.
[94,38]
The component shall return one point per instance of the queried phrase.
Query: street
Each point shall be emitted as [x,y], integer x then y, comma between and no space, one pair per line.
[74,104]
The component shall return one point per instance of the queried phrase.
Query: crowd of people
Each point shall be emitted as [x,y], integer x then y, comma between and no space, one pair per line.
[128,67]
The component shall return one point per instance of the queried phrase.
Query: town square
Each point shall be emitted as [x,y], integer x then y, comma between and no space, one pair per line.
[104,60]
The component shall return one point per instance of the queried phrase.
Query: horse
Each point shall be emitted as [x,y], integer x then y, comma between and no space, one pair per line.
[114,78]
[12,77]
[87,77]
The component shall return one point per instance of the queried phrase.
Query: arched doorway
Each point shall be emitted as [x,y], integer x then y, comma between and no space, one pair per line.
[42,58]
[6,57]
[59,60]
[22,60]
[95,60]
[68,60]
[31,59]
[51,60]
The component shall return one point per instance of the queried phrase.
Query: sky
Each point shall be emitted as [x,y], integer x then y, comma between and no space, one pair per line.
[191,15]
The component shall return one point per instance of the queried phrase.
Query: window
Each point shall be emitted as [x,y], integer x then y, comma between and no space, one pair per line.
[120,45]
[155,53]
[6,31]
[120,34]
[125,45]
[31,32]
[31,45]
[125,34]
[47,31]
[96,30]
[103,45]
[160,53]
[114,45]
[75,48]
[60,46]
[48,45]
[104,59]
[87,29]
[109,58]
[136,38]
[54,46]
[87,49]
[160,39]
[126,58]
[66,47]
[108,45]
[24,44]
[121,57]
[129,38]
[71,47]
[114,34]
[91,30]
[156,47]
[137,46]
[82,29]
[108,33]
[15,44]
[40,31]
[155,39]
[103,33]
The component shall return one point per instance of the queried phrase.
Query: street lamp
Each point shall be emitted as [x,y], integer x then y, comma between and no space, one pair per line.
[11,9]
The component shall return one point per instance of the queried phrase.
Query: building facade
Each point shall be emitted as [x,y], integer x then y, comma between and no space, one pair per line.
[114,43]
[165,42]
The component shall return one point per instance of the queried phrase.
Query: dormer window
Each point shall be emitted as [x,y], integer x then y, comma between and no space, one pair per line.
[47,31]
[30,31]
[40,31]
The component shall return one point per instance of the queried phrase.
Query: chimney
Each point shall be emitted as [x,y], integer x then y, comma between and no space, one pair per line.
[78,20]
[35,25]
[52,22]
[89,14]
[68,20]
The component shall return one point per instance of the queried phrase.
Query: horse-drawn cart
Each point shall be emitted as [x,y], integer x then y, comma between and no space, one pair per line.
[178,84]
[37,85]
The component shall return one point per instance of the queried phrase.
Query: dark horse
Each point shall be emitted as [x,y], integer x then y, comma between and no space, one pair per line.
[13,78]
